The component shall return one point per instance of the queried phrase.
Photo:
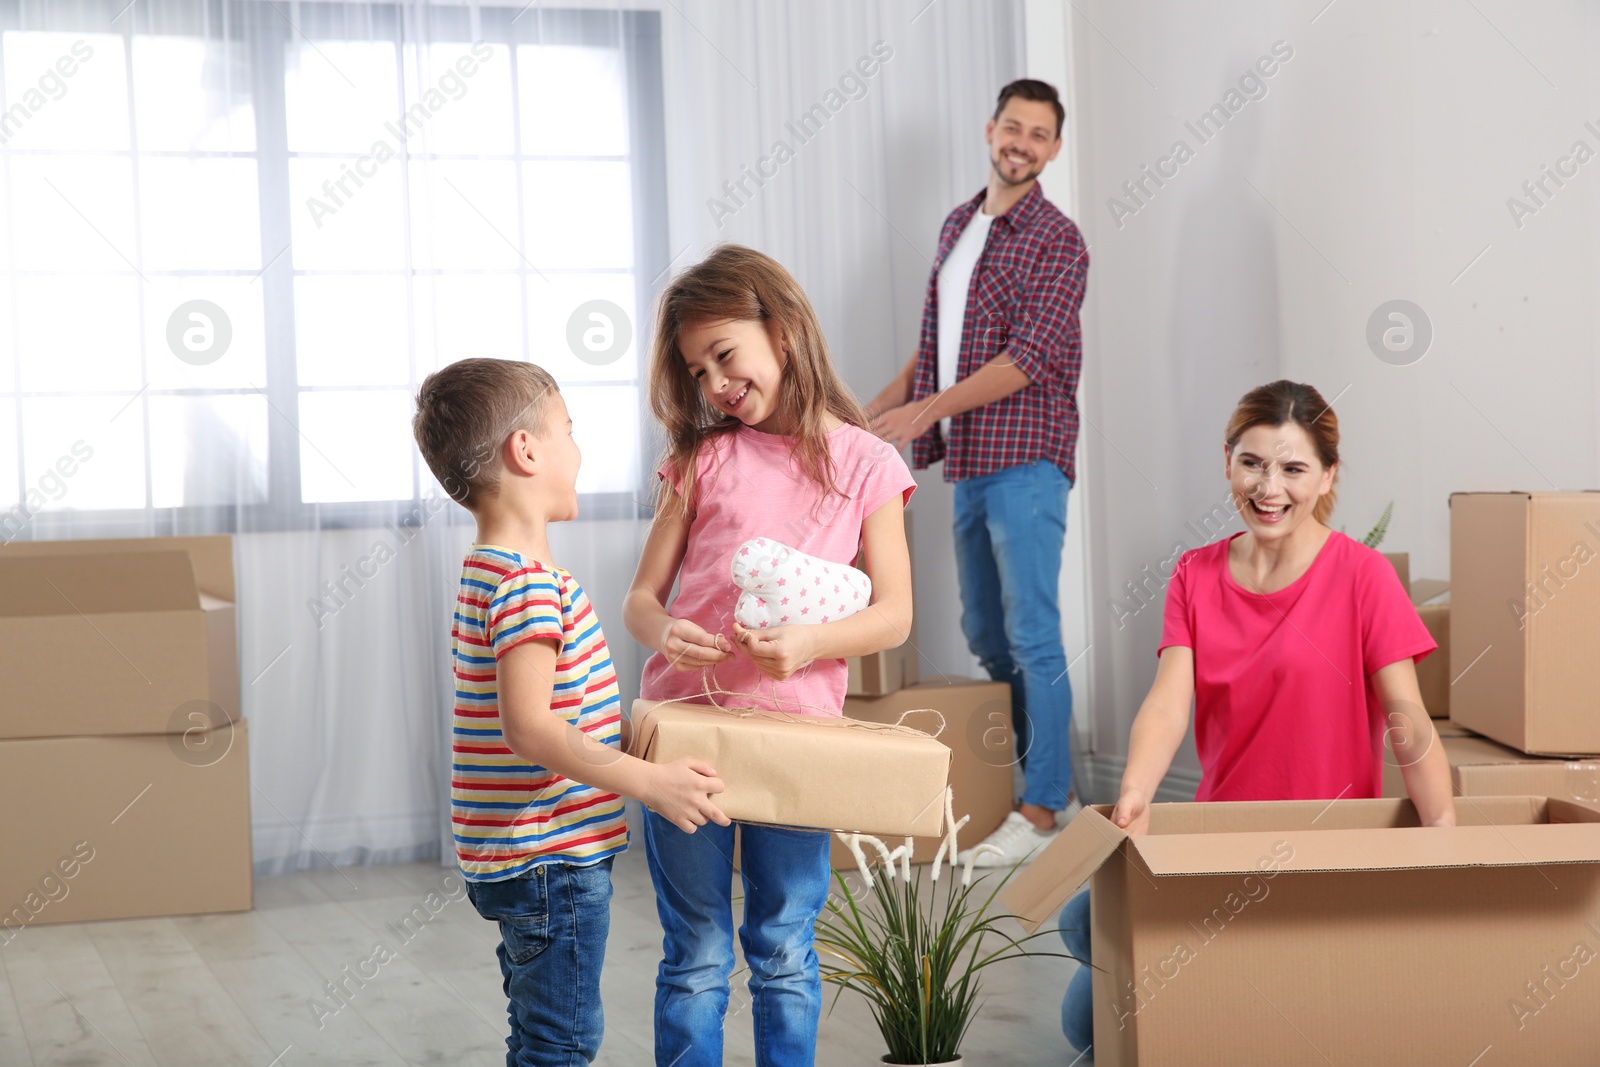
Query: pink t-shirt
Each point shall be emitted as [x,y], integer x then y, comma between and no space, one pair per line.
[1285,706]
[747,486]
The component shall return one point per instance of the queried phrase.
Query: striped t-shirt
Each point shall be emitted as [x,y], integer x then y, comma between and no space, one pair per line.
[509,815]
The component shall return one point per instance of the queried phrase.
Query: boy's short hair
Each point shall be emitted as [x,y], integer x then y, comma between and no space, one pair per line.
[467,410]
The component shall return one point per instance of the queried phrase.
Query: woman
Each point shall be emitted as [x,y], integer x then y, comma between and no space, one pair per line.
[1297,645]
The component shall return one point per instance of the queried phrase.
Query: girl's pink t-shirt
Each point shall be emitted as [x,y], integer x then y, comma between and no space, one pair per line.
[747,485]
[1285,705]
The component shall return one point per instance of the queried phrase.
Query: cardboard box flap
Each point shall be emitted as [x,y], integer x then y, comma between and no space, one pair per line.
[212,555]
[1425,590]
[1038,889]
[96,583]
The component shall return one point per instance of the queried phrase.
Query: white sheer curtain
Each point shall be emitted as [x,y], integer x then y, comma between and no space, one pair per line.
[238,233]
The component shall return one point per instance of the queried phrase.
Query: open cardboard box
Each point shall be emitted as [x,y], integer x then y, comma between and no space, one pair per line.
[151,623]
[1316,932]
[1525,618]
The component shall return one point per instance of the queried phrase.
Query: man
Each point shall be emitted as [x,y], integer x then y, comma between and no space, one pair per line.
[991,391]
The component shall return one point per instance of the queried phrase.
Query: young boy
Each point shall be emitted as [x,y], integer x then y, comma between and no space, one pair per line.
[537,767]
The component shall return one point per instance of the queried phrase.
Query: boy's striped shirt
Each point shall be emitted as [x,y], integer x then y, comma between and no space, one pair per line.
[509,815]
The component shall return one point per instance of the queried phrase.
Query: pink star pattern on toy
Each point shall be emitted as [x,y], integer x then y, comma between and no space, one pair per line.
[764,601]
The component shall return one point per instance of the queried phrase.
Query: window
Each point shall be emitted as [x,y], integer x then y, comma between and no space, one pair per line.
[236,244]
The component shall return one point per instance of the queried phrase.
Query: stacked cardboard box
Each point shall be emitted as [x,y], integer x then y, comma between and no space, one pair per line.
[1430,596]
[1316,932]
[890,670]
[1525,619]
[976,728]
[120,734]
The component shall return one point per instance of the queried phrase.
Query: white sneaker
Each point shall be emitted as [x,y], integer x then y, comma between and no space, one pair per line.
[1074,805]
[1017,840]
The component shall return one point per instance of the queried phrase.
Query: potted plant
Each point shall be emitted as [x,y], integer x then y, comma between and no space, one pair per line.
[916,953]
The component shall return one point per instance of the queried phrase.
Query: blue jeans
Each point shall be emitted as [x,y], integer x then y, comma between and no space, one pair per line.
[1009,530]
[786,877]
[1077,1008]
[553,924]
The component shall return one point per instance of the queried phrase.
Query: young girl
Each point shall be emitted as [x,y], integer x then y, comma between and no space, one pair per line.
[763,440]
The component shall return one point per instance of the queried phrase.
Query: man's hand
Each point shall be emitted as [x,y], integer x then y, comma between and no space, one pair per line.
[778,652]
[1132,813]
[681,792]
[689,648]
[904,424]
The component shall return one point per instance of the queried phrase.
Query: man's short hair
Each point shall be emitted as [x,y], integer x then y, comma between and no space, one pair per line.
[466,411]
[1036,90]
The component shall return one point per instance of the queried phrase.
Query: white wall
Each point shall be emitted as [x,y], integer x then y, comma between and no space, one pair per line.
[1377,166]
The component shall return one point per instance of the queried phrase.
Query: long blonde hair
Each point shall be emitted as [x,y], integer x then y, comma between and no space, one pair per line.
[740,284]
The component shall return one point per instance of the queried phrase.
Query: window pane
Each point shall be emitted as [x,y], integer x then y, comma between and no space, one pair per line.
[464,215]
[464,315]
[195,363]
[579,215]
[355,446]
[605,420]
[351,331]
[192,95]
[453,111]
[200,214]
[65,90]
[74,332]
[208,450]
[596,77]
[581,328]
[353,227]
[100,439]
[11,523]
[79,212]
[341,96]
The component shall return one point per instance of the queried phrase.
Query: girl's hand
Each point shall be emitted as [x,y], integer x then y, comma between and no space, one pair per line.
[1132,813]
[690,648]
[778,652]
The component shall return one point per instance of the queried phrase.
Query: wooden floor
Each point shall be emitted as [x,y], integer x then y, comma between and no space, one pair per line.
[252,988]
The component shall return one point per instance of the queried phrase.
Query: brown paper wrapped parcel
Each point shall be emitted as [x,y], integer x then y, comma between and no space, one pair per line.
[805,770]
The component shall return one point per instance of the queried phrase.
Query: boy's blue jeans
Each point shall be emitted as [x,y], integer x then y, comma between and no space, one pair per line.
[1077,1008]
[786,877]
[1009,530]
[553,924]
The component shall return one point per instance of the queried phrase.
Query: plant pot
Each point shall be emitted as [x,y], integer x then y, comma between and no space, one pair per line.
[942,1063]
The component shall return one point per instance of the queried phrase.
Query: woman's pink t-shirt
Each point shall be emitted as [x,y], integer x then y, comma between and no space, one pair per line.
[747,485]
[1285,705]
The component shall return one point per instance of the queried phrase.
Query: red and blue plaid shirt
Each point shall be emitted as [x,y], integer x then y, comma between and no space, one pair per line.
[1023,301]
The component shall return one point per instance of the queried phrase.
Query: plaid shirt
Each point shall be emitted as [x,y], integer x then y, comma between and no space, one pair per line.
[1024,300]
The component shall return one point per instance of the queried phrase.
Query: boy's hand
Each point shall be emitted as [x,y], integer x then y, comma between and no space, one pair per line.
[778,652]
[689,648]
[681,791]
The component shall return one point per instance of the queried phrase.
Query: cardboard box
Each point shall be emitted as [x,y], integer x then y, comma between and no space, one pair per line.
[1432,599]
[1316,932]
[1402,566]
[124,827]
[1525,619]
[1480,767]
[805,770]
[977,730]
[151,621]
[893,668]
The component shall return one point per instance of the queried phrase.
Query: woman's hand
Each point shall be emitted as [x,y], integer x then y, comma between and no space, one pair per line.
[1132,813]
[690,648]
[778,652]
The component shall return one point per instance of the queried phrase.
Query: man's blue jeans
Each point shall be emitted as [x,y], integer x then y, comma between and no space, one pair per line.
[1009,530]
[786,877]
[553,925]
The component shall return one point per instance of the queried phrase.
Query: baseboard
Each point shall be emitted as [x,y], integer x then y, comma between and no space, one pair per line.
[1101,779]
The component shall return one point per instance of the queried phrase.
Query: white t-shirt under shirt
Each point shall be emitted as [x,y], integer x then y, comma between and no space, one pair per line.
[955,278]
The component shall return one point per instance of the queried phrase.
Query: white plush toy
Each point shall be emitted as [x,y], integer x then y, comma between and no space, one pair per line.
[783,586]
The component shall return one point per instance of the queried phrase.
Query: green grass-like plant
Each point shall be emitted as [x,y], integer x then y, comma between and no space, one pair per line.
[916,953]
[1375,535]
